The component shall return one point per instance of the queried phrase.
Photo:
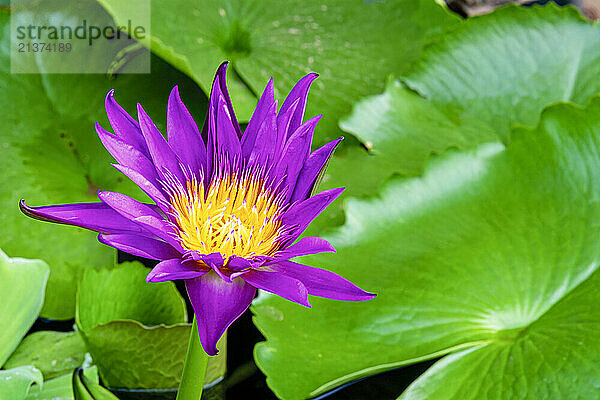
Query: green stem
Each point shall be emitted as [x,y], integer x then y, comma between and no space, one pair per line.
[194,369]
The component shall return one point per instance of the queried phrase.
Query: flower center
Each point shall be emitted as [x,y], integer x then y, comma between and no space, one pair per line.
[236,215]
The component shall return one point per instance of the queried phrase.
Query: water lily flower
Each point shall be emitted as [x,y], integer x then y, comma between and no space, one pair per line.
[229,206]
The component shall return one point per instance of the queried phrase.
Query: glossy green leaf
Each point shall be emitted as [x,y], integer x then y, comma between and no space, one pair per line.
[15,383]
[123,293]
[60,388]
[53,353]
[476,81]
[85,388]
[505,67]
[131,355]
[347,43]
[403,129]
[50,154]
[124,321]
[493,250]
[22,286]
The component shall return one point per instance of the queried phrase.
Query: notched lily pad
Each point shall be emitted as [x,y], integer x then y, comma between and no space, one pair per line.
[491,257]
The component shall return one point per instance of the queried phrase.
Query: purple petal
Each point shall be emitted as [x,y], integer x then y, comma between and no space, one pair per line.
[221,75]
[183,134]
[215,139]
[217,304]
[163,156]
[301,214]
[126,128]
[140,246]
[322,283]
[295,153]
[299,94]
[282,285]
[238,263]
[311,171]
[215,262]
[264,150]
[98,217]
[141,214]
[263,110]
[227,140]
[173,269]
[148,187]
[127,155]
[283,129]
[306,246]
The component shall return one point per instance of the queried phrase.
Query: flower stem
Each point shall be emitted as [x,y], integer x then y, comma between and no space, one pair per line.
[194,369]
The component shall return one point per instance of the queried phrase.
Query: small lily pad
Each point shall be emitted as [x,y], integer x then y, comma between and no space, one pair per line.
[135,331]
[15,383]
[22,284]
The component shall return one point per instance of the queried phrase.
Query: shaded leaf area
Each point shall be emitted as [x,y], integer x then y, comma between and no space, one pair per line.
[136,332]
[51,154]
[53,353]
[474,83]
[347,43]
[22,286]
[490,257]
[85,388]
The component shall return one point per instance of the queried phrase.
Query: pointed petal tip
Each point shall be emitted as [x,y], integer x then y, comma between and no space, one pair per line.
[174,93]
[368,296]
[110,104]
[32,213]
[99,129]
[210,349]
[307,304]
[334,193]
[222,70]
[25,209]
[314,120]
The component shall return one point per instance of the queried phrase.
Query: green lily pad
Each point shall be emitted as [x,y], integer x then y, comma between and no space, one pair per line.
[123,321]
[402,129]
[15,383]
[491,257]
[22,284]
[51,154]
[505,67]
[53,353]
[347,43]
[123,293]
[131,355]
[476,81]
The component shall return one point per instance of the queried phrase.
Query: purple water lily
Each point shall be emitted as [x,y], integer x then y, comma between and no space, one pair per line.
[228,206]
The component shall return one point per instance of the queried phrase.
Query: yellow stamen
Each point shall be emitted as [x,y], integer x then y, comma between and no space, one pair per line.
[235,216]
